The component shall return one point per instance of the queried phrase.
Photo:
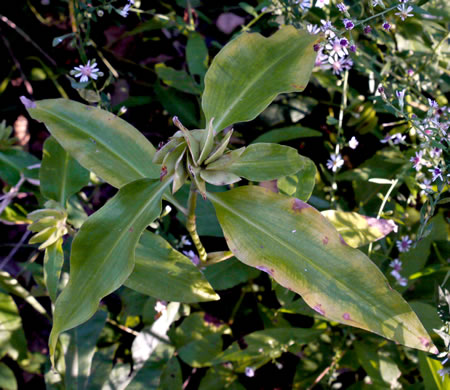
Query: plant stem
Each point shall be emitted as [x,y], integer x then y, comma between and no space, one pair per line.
[191,225]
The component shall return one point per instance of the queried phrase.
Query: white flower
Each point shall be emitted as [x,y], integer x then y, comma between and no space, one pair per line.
[124,11]
[86,71]
[327,28]
[322,3]
[433,103]
[404,244]
[160,306]
[402,281]
[335,162]
[192,256]
[337,46]
[338,64]
[250,372]
[305,4]
[404,11]
[401,96]
[341,7]
[313,29]
[353,144]
[398,138]
[426,185]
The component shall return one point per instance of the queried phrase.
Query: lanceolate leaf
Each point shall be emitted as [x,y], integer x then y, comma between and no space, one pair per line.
[358,230]
[14,162]
[164,273]
[103,252]
[53,262]
[99,140]
[60,175]
[250,71]
[261,162]
[302,251]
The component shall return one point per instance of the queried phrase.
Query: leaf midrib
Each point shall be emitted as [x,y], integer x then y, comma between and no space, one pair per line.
[286,245]
[96,138]
[259,75]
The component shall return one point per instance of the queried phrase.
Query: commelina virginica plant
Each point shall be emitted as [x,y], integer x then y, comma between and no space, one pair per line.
[281,235]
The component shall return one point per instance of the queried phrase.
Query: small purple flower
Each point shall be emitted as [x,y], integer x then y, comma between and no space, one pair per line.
[192,256]
[250,372]
[381,89]
[396,264]
[437,173]
[335,162]
[343,42]
[404,244]
[342,7]
[401,96]
[386,26]
[435,152]
[338,64]
[348,24]
[313,29]
[353,48]
[386,139]
[367,30]
[317,47]
[402,281]
[417,160]
[433,103]
[84,72]
[337,47]
[410,72]
[398,138]
[404,11]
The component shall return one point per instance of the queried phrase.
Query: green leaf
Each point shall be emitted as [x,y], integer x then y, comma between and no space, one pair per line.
[265,345]
[13,162]
[99,140]
[229,273]
[164,273]
[197,54]
[8,379]
[429,369]
[60,175]
[53,262]
[171,377]
[287,134]
[177,79]
[358,230]
[101,366]
[302,251]
[220,378]
[81,343]
[261,162]
[250,71]
[103,252]
[300,185]
[12,338]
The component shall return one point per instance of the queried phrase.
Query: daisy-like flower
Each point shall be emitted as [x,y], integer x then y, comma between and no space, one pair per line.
[367,30]
[353,144]
[404,244]
[437,173]
[305,4]
[313,29]
[401,281]
[401,98]
[386,26]
[192,256]
[398,138]
[327,28]
[404,11]
[337,47]
[84,72]
[338,64]
[322,3]
[341,7]
[348,24]
[417,160]
[335,162]
[425,185]
[396,264]
[352,48]
[433,103]
[435,152]
[124,11]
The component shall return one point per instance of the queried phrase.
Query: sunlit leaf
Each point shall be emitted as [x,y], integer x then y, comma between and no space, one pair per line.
[251,70]
[302,251]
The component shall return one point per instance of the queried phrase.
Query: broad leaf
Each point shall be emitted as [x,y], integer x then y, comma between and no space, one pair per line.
[197,54]
[103,252]
[264,345]
[164,273]
[8,379]
[81,343]
[60,175]
[99,140]
[14,162]
[177,79]
[53,262]
[302,251]
[301,184]
[250,71]
[286,134]
[358,230]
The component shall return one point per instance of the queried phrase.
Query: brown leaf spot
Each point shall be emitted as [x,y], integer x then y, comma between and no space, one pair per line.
[299,87]
[163,172]
[424,341]
[298,205]
[325,240]
[131,229]
[346,316]
[318,309]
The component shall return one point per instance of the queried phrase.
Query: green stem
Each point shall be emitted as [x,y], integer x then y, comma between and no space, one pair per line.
[191,225]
